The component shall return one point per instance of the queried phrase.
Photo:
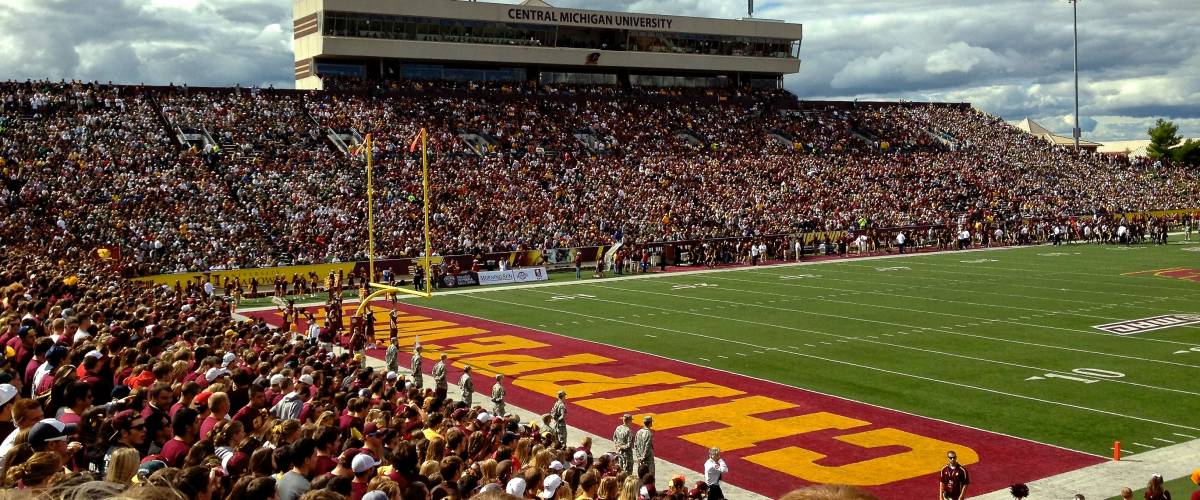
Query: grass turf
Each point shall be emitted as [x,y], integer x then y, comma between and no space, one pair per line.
[964,337]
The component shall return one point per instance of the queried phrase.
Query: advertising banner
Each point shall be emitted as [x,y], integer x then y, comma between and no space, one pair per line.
[530,274]
[496,277]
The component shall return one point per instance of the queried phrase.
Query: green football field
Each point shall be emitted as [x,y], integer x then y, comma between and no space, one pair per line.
[999,340]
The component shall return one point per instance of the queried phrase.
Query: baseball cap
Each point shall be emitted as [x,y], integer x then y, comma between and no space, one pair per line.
[94,354]
[228,358]
[550,486]
[126,420]
[215,373]
[49,429]
[306,379]
[556,465]
[375,495]
[580,458]
[391,375]
[150,467]
[363,462]
[483,416]
[7,393]
[515,487]
[57,352]
[276,379]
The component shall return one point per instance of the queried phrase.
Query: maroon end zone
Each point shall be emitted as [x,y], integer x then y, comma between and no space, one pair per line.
[774,437]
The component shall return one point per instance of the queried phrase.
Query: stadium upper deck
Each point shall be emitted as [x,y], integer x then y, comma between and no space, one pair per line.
[480,41]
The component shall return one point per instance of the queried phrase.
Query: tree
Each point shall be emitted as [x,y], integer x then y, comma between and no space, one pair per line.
[1164,135]
[1188,153]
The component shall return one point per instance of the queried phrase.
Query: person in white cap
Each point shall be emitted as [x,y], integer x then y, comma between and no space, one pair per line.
[8,393]
[467,385]
[292,404]
[559,414]
[515,487]
[550,486]
[363,466]
[498,394]
[643,445]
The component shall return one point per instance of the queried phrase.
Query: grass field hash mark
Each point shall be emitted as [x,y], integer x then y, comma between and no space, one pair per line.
[1184,435]
[939,313]
[919,349]
[1145,446]
[1164,440]
[862,366]
[985,281]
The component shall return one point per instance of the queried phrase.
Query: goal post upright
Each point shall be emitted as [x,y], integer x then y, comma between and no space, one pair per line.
[378,289]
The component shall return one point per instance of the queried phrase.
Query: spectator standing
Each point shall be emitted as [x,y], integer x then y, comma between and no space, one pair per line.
[953,479]
[714,470]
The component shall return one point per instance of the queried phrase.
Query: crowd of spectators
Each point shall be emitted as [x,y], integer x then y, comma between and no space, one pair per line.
[116,389]
[514,166]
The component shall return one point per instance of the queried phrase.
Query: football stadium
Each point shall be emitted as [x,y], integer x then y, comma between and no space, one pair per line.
[487,250]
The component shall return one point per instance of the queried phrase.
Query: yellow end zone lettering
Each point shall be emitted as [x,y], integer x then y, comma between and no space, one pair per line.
[923,457]
[592,383]
[741,430]
[516,364]
[630,404]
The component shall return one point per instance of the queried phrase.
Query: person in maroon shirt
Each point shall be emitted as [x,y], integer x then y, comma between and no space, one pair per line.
[953,480]
[40,347]
[185,429]
[327,440]
[78,398]
[255,413]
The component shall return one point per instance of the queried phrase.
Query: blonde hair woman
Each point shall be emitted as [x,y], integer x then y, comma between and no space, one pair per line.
[36,473]
[123,466]
[629,490]
[610,488]
[542,460]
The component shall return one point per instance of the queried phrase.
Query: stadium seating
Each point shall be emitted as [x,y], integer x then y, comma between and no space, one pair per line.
[191,179]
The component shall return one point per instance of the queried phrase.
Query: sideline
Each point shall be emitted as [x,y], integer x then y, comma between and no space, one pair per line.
[1106,480]
[664,469]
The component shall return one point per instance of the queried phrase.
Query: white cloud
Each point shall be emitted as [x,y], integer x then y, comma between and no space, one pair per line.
[1009,57]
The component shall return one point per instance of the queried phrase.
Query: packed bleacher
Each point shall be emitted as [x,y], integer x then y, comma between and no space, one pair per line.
[112,389]
[187,179]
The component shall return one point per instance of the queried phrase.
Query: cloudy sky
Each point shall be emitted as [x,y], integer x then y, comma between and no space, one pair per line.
[1140,60]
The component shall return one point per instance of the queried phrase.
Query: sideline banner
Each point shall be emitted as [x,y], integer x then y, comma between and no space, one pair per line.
[496,277]
[530,274]
[459,280]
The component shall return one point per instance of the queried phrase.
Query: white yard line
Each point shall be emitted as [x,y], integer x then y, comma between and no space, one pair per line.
[865,367]
[939,313]
[883,343]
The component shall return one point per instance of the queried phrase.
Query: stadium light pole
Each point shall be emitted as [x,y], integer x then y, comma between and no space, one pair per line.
[1075,30]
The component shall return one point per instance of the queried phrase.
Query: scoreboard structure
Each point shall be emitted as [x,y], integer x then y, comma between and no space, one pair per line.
[533,41]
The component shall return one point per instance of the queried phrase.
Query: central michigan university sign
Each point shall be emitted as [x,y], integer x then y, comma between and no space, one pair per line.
[590,18]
